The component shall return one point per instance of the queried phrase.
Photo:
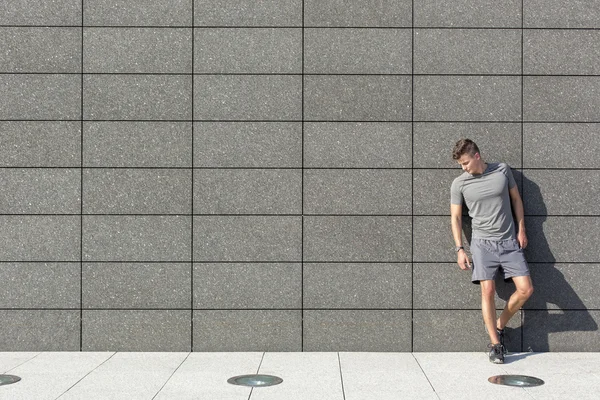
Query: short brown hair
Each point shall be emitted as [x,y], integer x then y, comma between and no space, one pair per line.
[464,146]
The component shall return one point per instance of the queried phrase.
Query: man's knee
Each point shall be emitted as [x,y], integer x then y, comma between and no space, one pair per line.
[488,289]
[525,292]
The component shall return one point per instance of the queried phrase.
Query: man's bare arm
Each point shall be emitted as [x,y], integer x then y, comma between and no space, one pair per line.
[456,220]
[517,206]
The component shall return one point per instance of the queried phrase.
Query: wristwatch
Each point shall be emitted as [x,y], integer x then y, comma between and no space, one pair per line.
[457,248]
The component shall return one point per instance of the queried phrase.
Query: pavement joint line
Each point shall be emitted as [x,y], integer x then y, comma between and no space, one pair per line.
[425,375]
[170,376]
[257,372]
[86,375]
[341,375]
[24,362]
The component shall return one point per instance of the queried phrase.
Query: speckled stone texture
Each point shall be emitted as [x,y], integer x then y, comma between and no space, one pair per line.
[275,174]
[359,191]
[351,330]
[247,330]
[137,144]
[40,330]
[357,285]
[40,50]
[136,330]
[247,285]
[248,191]
[357,145]
[248,144]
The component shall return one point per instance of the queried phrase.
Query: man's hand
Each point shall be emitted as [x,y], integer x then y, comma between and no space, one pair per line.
[463,260]
[522,239]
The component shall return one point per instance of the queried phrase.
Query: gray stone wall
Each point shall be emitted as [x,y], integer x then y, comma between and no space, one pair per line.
[241,175]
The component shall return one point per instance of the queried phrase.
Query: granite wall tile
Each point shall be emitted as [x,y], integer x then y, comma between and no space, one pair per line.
[357,98]
[248,50]
[360,13]
[432,191]
[468,13]
[432,238]
[357,238]
[41,50]
[247,285]
[40,285]
[125,97]
[357,51]
[557,52]
[357,144]
[137,50]
[136,238]
[136,330]
[136,285]
[357,330]
[467,98]
[248,97]
[40,191]
[247,238]
[435,331]
[561,145]
[248,191]
[564,286]
[557,330]
[357,191]
[247,13]
[357,285]
[40,144]
[467,51]
[248,330]
[561,98]
[137,144]
[544,192]
[40,96]
[563,239]
[446,286]
[561,14]
[434,141]
[137,13]
[34,12]
[248,144]
[39,330]
[141,191]
[40,238]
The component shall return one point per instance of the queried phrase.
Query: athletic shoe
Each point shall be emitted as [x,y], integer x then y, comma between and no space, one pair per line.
[501,338]
[496,355]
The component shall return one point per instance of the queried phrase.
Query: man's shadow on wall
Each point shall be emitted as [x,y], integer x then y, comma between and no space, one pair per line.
[550,285]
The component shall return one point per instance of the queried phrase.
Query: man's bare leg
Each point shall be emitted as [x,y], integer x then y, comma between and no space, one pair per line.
[516,301]
[488,308]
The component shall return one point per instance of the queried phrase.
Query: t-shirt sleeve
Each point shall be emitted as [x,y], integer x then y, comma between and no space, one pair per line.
[456,196]
[509,175]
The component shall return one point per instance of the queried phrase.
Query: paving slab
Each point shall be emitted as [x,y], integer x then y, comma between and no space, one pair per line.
[306,376]
[384,376]
[204,376]
[127,376]
[465,376]
[49,375]
[10,360]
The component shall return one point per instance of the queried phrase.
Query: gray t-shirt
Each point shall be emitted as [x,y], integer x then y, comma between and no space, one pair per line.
[488,201]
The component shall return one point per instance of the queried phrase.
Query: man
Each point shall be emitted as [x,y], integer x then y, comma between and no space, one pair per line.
[489,190]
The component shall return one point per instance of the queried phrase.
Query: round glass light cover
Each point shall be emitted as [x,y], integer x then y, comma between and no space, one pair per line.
[516,380]
[255,380]
[8,379]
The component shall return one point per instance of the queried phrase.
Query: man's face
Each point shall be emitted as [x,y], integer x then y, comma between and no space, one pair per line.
[470,163]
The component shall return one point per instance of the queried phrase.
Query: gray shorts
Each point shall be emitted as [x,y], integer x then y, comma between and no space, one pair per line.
[489,256]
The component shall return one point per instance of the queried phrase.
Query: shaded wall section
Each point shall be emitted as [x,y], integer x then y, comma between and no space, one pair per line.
[274,175]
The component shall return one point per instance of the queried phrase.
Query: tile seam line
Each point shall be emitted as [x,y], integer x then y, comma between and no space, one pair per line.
[171,376]
[86,375]
[81,186]
[425,375]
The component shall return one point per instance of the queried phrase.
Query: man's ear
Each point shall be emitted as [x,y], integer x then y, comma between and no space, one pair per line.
[477,156]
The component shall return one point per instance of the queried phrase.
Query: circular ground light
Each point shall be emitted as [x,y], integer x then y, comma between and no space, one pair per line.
[255,380]
[516,380]
[8,379]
